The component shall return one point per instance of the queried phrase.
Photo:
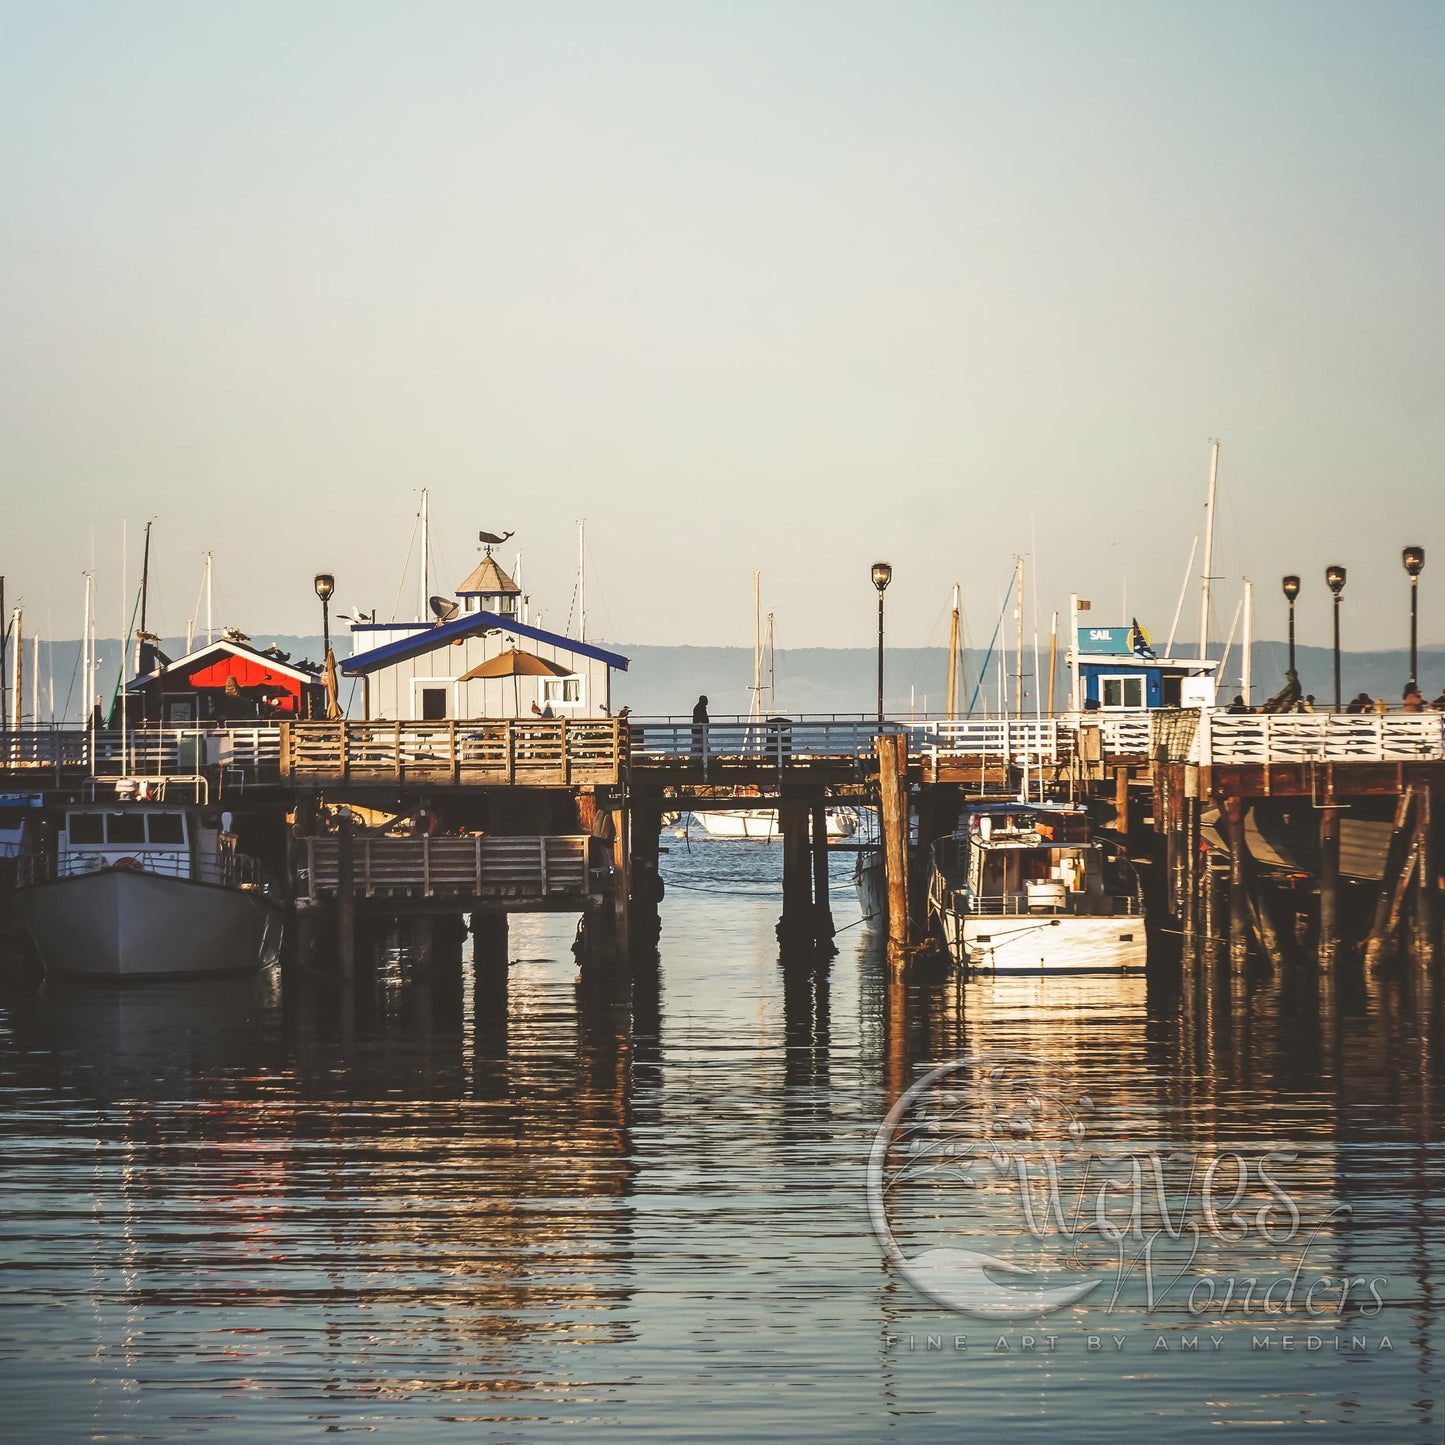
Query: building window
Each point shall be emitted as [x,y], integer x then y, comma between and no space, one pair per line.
[433,704]
[1121,692]
[562,691]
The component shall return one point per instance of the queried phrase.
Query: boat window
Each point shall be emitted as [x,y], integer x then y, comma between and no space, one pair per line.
[125,828]
[87,828]
[167,828]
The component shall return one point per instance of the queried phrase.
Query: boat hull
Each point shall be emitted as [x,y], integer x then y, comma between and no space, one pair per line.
[870,880]
[1045,943]
[760,825]
[120,924]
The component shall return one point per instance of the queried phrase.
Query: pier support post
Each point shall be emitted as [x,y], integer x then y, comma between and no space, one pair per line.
[893,797]
[795,927]
[1427,924]
[1238,886]
[645,827]
[1400,864]
[1121,802]
[345,898]
[1329,930]
[822,908]
[622,882]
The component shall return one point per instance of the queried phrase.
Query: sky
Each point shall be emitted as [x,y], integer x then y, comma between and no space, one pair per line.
[786,287]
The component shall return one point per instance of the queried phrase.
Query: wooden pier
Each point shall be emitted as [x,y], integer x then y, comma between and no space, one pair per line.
[1256,824]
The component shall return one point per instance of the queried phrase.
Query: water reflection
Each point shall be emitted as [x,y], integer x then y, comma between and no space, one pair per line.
[545,1200]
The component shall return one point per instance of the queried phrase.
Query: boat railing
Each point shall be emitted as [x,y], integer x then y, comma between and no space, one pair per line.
[228,868]
[1075,905]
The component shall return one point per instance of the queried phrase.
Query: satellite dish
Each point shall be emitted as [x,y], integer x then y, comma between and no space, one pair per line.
[443,609]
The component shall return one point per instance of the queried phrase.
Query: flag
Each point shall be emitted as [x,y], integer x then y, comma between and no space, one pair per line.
[1139,643]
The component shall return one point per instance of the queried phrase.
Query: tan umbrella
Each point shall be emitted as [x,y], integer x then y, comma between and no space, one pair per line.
[514,663]
[328,677]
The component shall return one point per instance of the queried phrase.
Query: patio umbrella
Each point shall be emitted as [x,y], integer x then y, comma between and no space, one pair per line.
[328,677]
[514,663]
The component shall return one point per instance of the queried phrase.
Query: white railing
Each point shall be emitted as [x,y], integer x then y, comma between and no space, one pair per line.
[228,868]
[778,743]
[1255,738]
[1040,740]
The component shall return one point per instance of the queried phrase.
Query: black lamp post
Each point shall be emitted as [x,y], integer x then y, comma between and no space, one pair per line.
[882,576]
[325,586]
[1414,560]
[1291,591]
[1335,578]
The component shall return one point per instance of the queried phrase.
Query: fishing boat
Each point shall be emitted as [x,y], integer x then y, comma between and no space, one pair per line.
[760,825]
[140,889]
[1026,888]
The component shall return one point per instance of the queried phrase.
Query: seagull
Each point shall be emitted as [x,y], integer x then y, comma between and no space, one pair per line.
[491,538]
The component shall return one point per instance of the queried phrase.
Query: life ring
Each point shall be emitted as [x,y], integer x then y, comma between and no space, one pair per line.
[127,865]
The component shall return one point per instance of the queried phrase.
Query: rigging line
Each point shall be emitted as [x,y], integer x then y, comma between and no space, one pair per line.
[602,595]
[988,656]
[406,566]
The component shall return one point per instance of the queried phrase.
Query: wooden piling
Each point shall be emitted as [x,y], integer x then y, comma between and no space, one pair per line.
[1121,801]
[893,799]
[345,898]
[1238,885]
[795,927]
[1427,925]
[621,882]
[822,908]
[1400,858]
[1329,928]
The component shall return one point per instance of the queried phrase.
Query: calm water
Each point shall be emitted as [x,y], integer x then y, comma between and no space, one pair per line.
[225,1212]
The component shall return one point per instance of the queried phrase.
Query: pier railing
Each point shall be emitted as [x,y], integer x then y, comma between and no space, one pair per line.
[535,869]
[1255,738]
[1046,740]
[777,744]
[539,753]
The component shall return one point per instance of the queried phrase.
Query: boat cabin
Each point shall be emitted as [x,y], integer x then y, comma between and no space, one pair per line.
[1024,858]
[148,837]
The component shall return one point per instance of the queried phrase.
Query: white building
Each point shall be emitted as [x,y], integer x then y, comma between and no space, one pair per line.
[418,671]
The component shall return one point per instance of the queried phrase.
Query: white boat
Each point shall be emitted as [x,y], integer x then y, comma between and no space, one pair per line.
[146,890]
[760,825]
[1024,888]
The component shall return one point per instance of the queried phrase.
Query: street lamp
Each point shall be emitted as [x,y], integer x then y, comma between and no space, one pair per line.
[1291,591]
[1335,579]
[882,576]
[325,586]
[1414,560]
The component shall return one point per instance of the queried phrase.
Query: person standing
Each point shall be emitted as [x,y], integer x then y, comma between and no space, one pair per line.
[699,730]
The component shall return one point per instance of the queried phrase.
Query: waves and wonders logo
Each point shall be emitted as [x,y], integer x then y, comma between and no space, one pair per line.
[999,1192]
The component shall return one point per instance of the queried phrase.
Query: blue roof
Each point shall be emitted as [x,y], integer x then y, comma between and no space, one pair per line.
[459,627]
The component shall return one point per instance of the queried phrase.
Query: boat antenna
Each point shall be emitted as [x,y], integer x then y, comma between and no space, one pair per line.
[421,612]
[1208,551]
[755,712]
[582,580]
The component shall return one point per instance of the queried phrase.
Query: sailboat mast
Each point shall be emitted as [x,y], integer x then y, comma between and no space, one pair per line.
[35,685]
[1208,551]
[1019,613]
[1053,657]
[1245,678]
[87,658]
[210,605]
[582,579]
[422,607]
[19,679]
[145,577]
[4,638]
[953,659]
[772,670]
[756,710]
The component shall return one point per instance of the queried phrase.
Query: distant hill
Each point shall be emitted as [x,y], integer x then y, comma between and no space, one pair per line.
[663,680]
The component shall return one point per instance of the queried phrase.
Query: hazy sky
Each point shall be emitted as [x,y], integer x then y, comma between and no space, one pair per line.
[783,286]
